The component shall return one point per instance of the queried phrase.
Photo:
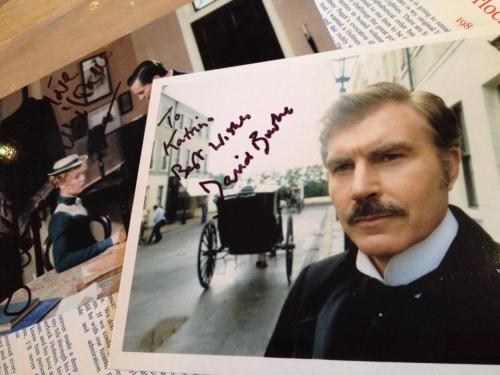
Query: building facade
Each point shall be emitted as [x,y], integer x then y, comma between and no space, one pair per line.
[181,132]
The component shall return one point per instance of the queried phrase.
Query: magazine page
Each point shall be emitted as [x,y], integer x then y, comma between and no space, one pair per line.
[76,342]
[257,220]
[354,23]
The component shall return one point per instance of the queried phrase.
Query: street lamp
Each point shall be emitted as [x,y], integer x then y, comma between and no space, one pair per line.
[342,70]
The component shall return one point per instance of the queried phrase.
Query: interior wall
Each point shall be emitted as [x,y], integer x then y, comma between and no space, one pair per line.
[162,40]
[121,63]
[293,14]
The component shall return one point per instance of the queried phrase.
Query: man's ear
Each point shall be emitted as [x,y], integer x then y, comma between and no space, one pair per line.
[452,161]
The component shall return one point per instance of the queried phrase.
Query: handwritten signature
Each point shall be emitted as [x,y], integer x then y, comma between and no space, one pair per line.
[188,134]
[259,142]
[67,99]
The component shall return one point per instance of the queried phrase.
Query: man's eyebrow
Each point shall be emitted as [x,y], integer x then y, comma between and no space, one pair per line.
[333,162]
[392,147]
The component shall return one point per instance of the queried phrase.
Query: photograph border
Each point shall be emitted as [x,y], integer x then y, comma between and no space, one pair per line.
[195,363]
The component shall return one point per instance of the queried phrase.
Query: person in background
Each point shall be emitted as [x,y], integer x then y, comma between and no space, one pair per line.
[144,223]
[159,221]
[69,227]
[141,80]
[204,209]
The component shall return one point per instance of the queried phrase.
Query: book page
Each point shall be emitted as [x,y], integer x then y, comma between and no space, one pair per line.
[76,342]
[358,22]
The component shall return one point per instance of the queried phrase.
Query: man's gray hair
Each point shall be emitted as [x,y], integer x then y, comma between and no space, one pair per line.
[354,107]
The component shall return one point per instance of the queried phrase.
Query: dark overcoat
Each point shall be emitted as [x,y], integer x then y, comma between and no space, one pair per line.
[450,315]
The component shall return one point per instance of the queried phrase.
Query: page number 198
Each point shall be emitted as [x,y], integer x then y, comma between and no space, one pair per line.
[463,23]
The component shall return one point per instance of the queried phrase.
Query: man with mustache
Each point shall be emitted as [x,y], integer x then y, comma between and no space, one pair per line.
[422,283]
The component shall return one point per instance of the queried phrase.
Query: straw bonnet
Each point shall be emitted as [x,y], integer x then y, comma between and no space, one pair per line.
[67,163]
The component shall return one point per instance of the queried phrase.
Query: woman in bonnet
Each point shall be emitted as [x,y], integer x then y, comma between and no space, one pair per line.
[69,227]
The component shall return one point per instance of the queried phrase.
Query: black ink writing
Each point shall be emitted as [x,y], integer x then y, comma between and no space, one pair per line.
[238,170]
[195,157]
[188,134]
[164,116]
[275,119]
[67,99]
[217,184]
[231,130]
[258,142]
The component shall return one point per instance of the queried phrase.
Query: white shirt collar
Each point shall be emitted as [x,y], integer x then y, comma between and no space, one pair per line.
[416,261]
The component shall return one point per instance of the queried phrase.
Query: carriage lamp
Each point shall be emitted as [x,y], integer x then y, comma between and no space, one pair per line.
[8,151]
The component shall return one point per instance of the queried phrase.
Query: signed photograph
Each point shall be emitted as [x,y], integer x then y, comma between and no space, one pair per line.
[318,209]
[80,119]
[337,207]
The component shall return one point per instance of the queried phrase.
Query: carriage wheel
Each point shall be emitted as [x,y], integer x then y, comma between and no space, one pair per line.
[207,254]
[289,248]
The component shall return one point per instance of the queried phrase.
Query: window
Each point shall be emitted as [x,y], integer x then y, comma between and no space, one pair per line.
[151,163]
[146,198]
[163,161]
[466,158]
[181,121]
[159,195]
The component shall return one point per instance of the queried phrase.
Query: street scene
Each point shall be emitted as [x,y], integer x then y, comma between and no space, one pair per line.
[237,313]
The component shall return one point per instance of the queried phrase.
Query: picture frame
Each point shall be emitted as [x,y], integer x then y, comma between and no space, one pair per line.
[95,78]
[96,117]
[125,102]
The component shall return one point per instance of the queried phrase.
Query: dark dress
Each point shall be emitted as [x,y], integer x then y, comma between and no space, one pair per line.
[69,230]
[33,130]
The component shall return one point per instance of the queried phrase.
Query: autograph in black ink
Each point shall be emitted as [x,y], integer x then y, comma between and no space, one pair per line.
[188,134]
[258,142]
[195,157]
[66,99]
[231,130]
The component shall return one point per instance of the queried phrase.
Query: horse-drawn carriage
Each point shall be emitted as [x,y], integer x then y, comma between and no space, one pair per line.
[249,221]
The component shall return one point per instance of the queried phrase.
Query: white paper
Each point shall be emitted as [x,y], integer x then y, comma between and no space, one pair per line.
[76,342]
[306,84]
[357,22]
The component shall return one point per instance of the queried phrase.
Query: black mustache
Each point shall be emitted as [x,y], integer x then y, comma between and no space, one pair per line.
[372,206]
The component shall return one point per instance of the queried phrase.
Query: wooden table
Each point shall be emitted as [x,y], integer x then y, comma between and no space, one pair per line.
[104,269]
